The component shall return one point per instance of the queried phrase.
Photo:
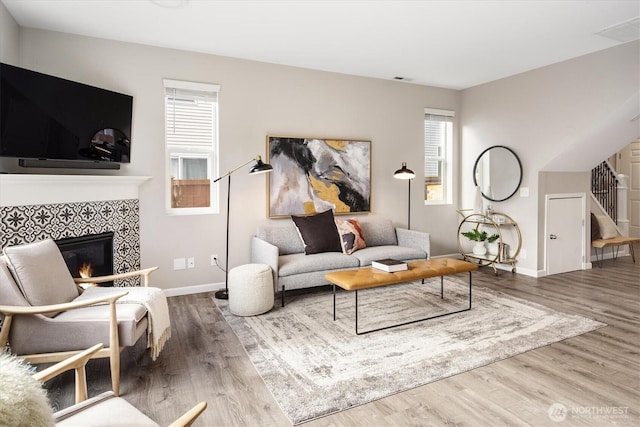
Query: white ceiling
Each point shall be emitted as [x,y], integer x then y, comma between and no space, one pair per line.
[453,44]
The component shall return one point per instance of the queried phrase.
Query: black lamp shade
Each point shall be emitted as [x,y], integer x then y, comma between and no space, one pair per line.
[260,167]
[404,173]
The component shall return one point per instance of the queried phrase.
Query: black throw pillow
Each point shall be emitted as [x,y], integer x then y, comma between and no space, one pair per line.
[318,232]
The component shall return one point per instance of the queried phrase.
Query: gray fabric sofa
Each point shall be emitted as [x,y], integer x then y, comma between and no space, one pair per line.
[279,245]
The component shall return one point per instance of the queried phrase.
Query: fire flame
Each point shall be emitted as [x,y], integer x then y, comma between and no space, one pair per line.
[85,272]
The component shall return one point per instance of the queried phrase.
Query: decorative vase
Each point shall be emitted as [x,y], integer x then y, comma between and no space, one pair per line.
[479,248]
[477,205]
[494,249]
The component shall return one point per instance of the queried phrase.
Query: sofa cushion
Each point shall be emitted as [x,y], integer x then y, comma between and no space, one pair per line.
[292,264]
[372,253]
[77,329]
[285,237]
[378,232]
[41,273]
[318,232]
[350,235]
[104,410]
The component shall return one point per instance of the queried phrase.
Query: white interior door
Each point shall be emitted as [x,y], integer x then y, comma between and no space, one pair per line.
[565,233]
[630,166]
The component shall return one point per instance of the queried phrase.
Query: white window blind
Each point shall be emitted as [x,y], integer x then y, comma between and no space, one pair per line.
[190,117]
[435,137]
[438,146]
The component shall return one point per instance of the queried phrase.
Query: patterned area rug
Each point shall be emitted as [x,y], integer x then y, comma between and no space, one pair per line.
[315,366]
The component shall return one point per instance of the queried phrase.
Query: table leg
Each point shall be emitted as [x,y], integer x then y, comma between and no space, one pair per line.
[469,290]
[417,320]
[441,287]
[598,261]
[357,333]
[334,302]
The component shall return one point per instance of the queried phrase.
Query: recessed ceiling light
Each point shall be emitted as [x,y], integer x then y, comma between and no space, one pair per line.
[623,32]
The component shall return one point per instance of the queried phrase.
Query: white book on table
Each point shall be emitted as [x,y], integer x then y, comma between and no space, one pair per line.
[389,265]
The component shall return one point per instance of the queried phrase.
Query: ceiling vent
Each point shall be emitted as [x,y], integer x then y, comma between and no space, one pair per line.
[623,32]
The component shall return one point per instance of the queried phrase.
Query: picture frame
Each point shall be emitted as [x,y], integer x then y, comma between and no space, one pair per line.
[312,175]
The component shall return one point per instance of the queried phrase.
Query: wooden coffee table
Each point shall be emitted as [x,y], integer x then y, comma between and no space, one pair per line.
[368,277]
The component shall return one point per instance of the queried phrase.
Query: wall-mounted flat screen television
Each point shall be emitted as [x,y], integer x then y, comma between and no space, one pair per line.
[48,121]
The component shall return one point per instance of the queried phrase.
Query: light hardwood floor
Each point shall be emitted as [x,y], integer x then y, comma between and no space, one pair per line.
[592,375]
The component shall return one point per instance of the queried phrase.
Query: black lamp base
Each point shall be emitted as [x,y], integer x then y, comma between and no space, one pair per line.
[222,294]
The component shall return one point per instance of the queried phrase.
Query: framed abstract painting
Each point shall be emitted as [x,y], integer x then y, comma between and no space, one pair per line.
[312,175]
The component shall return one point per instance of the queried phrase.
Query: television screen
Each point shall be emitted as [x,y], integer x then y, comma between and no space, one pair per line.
[46,117]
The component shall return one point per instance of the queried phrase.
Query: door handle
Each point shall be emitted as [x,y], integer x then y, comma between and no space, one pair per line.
[553,236]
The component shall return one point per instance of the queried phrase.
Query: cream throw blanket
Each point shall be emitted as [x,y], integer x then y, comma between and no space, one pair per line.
[159,328]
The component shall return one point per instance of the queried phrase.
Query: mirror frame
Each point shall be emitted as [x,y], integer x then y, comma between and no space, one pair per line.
[475,170]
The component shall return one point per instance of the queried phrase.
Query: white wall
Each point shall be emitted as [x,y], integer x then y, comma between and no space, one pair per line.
[543,115]
[9,34]
[256,99]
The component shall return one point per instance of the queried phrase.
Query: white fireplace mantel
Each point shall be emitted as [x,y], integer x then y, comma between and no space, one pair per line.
[33,189]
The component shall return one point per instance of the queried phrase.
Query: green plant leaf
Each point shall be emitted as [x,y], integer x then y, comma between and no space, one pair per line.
[493,238]
[475,235]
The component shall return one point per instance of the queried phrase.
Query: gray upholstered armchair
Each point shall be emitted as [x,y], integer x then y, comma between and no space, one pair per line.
[47,319]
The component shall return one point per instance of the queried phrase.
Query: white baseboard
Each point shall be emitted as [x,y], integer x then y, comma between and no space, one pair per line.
[504,267]
[194,289]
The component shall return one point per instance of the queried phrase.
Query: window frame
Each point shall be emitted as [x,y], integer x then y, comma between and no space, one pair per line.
[445,160]
[193,150]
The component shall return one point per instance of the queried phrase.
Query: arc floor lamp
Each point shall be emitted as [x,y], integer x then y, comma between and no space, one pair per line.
[408,174]
[257,168]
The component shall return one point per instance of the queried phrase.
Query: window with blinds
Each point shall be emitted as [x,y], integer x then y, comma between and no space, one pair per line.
[191,135]
[438,147]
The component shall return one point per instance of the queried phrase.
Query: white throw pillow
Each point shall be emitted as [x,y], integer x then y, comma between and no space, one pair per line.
[607,227]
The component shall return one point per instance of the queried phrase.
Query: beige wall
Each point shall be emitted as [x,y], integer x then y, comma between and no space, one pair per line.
[544,115]
[9,33]
[256,99]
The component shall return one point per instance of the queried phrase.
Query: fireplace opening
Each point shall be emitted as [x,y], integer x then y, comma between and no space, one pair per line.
[88,256]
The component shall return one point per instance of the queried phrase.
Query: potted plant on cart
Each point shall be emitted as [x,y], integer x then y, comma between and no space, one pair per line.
[479,237]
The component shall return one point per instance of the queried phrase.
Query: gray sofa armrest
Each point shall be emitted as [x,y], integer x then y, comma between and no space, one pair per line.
[414,239]
[263,252]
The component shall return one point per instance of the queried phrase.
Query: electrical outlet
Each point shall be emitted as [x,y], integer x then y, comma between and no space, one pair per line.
[214,259]
[179,264]
[191,262]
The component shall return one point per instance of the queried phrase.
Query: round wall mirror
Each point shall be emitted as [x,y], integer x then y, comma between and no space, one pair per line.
[498,173]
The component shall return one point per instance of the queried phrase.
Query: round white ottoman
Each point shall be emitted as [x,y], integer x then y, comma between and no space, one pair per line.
[250,289]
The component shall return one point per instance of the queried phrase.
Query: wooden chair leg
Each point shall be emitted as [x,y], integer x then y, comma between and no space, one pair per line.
[114,350]
[114,361]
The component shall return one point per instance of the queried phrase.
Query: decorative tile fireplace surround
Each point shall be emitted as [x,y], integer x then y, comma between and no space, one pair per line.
[35,207]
